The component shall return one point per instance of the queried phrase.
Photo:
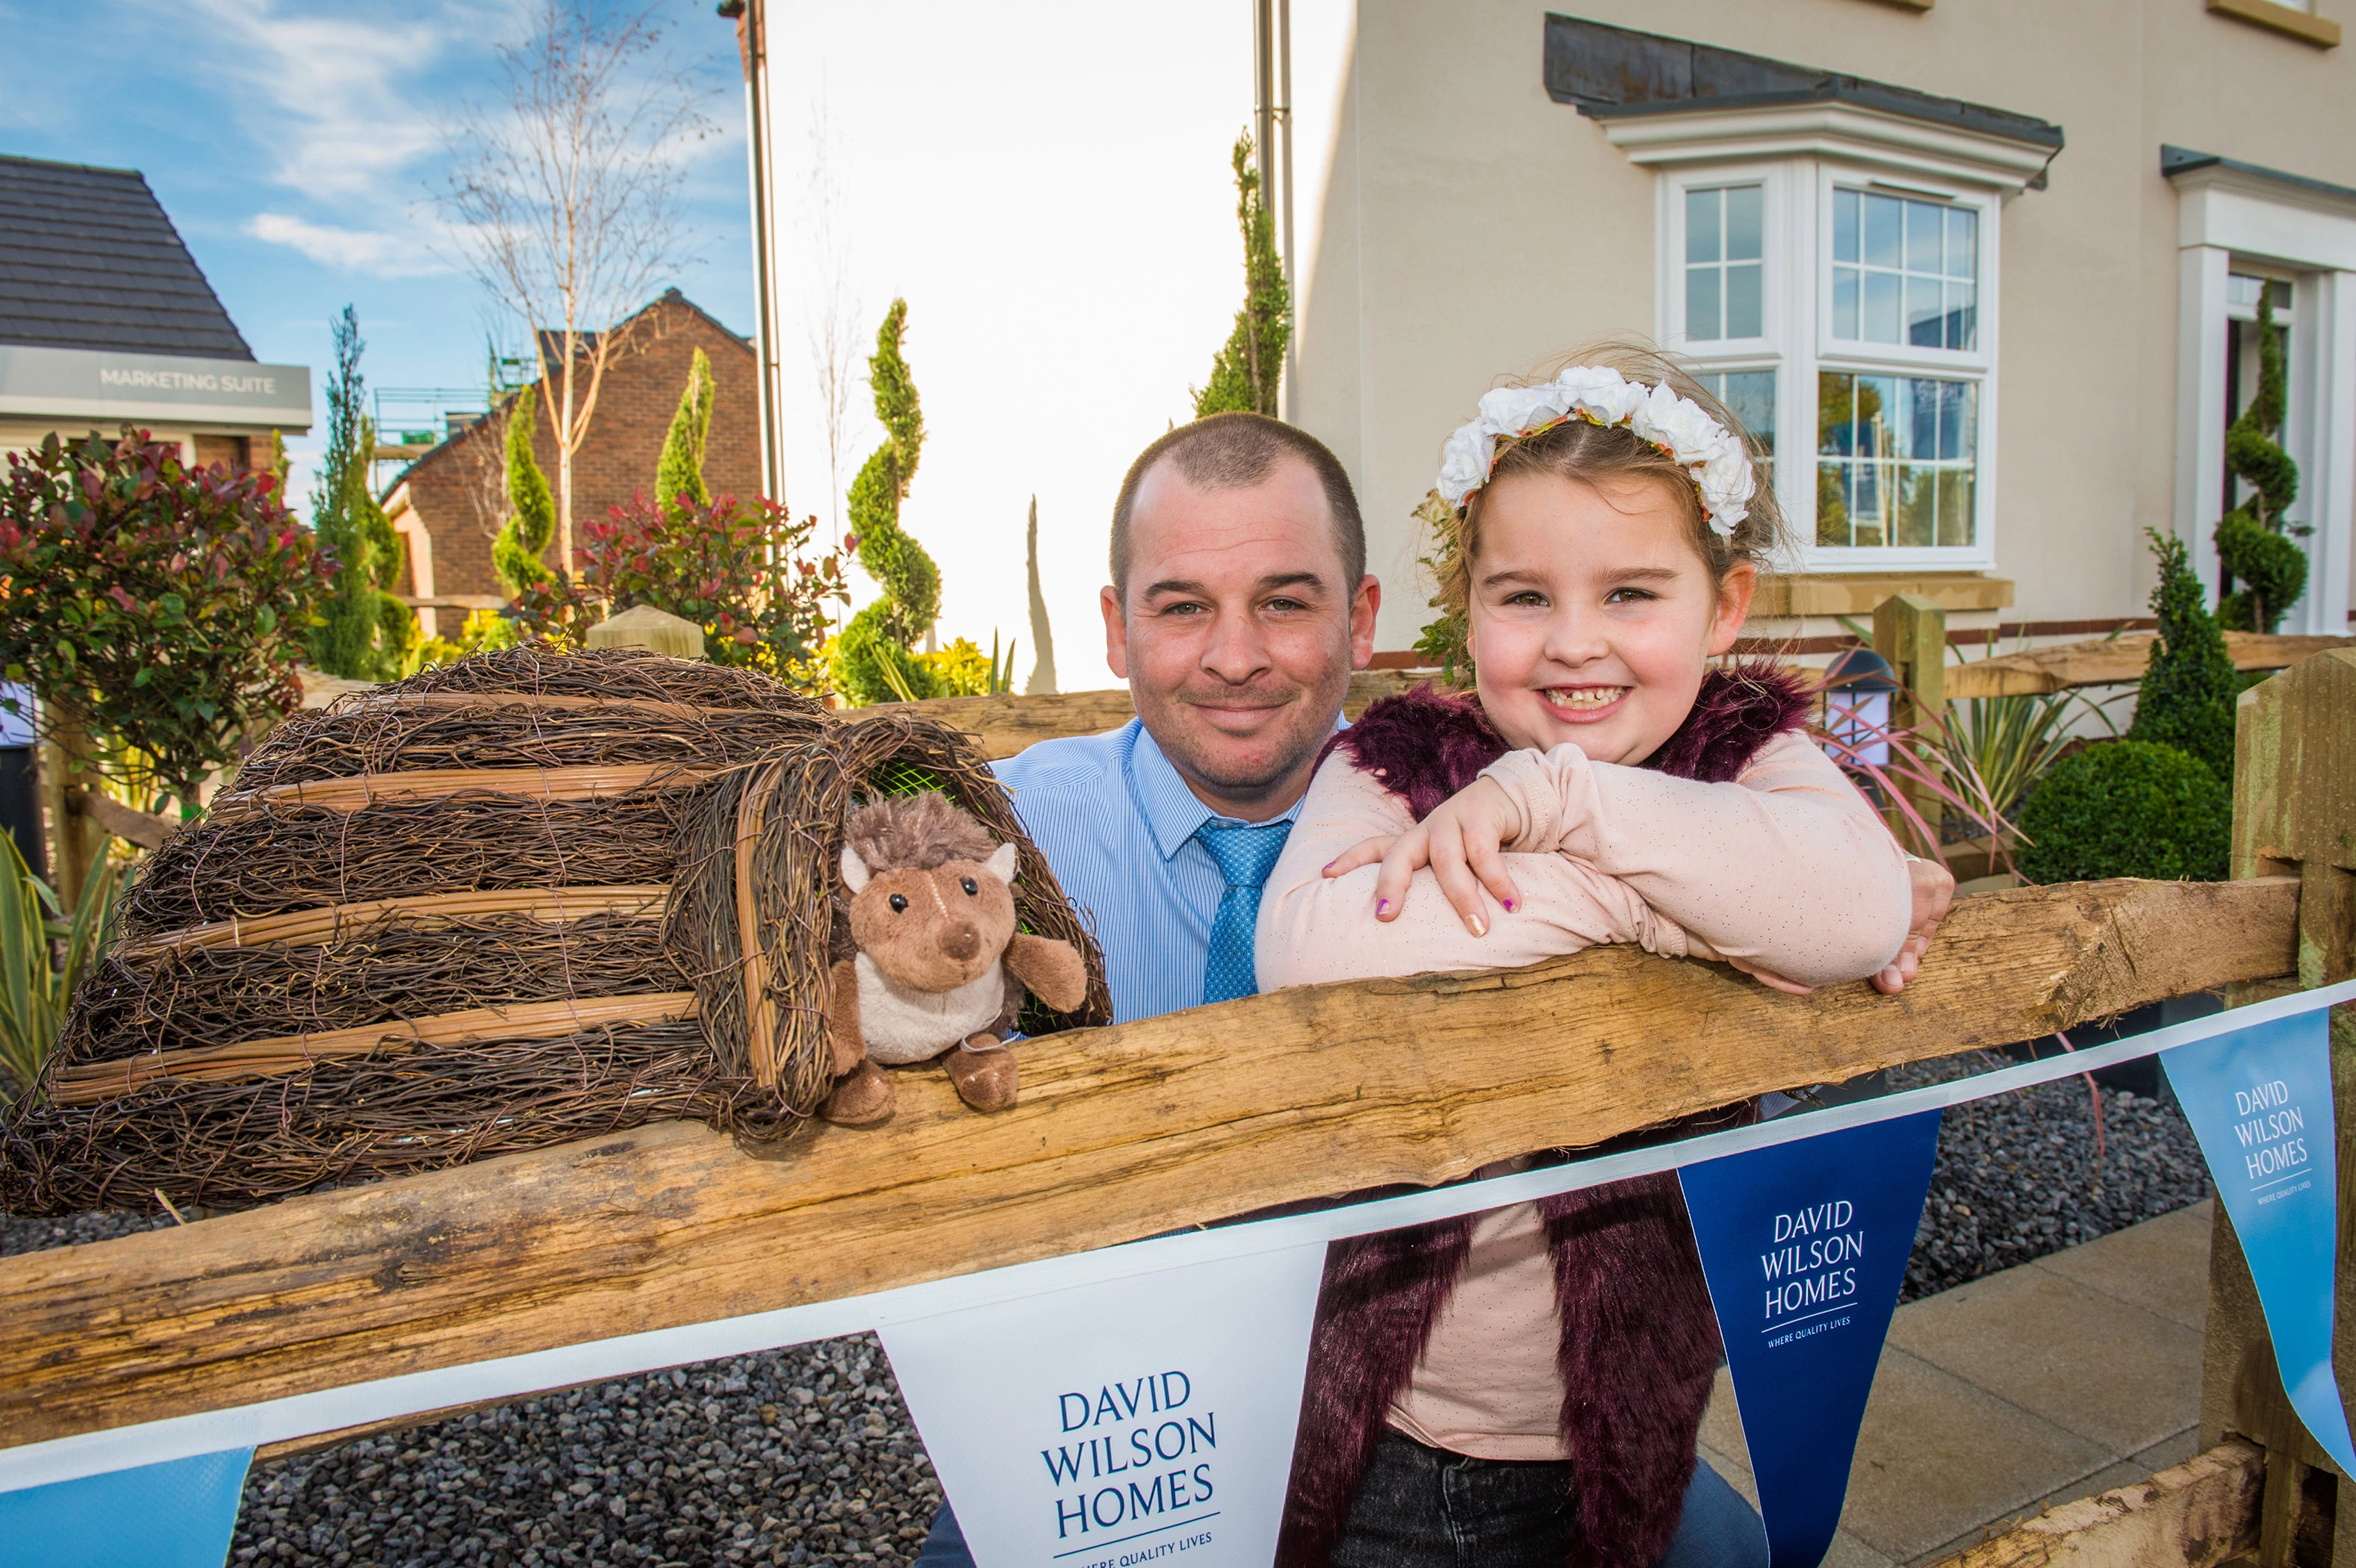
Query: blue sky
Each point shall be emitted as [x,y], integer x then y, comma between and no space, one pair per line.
[295,147]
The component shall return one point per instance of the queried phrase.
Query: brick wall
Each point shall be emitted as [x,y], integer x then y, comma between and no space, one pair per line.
[457,489]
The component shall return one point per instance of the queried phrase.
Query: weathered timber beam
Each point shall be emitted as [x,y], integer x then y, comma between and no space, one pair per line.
[2114,661]
[1122,1131]
[2200,1513]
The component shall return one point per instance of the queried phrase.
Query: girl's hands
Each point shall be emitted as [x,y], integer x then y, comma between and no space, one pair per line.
[1460,841]
[1934,890]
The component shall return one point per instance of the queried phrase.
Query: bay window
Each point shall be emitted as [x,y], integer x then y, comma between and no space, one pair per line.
[1832,307]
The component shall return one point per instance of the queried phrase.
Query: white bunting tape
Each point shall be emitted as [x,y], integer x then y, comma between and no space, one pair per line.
[512,1377]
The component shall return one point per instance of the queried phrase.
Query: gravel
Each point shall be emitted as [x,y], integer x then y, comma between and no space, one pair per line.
[2018,1177]
[807,1454]
[802,1456]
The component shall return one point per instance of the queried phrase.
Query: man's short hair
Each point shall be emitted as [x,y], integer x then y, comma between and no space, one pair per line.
[1235,452]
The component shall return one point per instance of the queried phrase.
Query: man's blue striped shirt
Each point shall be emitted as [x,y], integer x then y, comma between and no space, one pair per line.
[1117,823]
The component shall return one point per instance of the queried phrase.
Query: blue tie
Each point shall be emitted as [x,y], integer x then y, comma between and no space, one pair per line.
[1244,855]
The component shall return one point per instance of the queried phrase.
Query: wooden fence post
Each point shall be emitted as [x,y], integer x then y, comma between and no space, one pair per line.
[2294,813]
[1910,630]
[76,841]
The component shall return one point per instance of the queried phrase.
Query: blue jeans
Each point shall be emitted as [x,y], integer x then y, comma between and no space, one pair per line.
[1426,1508]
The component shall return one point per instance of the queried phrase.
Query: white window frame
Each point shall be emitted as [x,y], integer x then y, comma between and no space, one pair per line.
[1857,356]
[1801,151]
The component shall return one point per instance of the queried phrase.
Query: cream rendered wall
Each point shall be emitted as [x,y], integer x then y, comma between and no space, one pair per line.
[1469,229]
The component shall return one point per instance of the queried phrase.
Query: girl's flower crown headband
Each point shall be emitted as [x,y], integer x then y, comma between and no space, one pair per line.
[1710,453]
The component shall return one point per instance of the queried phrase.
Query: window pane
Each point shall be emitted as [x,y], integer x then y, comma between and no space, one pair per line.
[1701,302]
[1743,317]
[1963,242]
[1895,461]
[1962,327]
[1746,209]
[1914,491]
[1881,229]
[1844,302]
[1844,226]
[1925,250]
[1831,504]
[1926,326]
[1749,397]
[1880,313]
[1702,226]
[1956,491]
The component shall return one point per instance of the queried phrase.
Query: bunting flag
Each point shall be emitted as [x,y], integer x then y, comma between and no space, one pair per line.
[1120,1423]
[1805,1244]
[178,1514]
[2259,1100]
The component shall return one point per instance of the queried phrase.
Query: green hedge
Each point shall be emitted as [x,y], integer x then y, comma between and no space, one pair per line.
[2127,808]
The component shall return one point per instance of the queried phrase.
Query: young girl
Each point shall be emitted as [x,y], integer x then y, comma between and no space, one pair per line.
[1524,1387]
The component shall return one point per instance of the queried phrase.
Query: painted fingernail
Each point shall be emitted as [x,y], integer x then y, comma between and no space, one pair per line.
[1382,905]
[1509,906]
[1329,865]
[1480,927]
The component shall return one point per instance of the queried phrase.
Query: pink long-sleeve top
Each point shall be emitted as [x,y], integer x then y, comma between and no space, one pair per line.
[1787,866]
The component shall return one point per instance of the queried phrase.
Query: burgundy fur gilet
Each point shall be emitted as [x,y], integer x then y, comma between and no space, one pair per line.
[1639,1343]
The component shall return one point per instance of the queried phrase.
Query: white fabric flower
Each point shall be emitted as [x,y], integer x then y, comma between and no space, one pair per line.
[1517,411]
[1711,454]
[1464,465]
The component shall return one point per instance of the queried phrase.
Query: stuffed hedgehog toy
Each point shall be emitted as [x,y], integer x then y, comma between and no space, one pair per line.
[934,967]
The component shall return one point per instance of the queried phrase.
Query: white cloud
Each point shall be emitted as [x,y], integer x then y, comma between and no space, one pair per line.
[348,115]
[382,255]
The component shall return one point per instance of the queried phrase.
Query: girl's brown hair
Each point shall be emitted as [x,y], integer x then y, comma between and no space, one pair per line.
[1596,454]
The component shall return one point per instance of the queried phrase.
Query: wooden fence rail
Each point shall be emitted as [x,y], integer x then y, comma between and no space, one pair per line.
[1122,1132]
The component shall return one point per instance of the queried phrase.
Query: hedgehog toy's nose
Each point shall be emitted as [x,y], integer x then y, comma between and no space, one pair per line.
[961,941]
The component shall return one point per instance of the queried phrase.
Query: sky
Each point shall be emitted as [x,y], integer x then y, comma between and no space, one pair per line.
[1046,185]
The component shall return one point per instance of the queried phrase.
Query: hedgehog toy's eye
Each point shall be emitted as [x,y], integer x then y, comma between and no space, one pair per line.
[899,904]
[967,883]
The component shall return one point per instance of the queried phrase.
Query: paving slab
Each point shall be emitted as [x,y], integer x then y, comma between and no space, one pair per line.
[2160,1266]
[2089,1362]
[1938,1457]
[2018,1393]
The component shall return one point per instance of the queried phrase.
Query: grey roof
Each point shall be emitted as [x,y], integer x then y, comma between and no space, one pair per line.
[2175,160]
[88,259]
[1610,72]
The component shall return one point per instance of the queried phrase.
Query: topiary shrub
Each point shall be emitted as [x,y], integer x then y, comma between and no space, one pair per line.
[2189,686]
[2264,572]
[2127,808]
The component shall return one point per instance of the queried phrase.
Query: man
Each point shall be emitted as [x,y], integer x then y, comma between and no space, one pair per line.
[1239,605]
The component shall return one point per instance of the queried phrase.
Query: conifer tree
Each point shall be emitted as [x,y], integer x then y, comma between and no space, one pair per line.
[1246,373]
[2252,547]
[531,519]
[679,471]
[2190,685]
[876,661]
[363,631]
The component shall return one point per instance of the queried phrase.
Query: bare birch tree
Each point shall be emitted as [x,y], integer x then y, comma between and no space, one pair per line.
[565,197]
[830,314]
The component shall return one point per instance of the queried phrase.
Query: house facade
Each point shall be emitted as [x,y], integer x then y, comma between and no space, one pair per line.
[1983,275]
[107,320]
[451,503]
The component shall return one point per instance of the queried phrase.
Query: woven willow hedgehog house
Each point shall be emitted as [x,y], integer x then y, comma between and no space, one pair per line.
[497,906]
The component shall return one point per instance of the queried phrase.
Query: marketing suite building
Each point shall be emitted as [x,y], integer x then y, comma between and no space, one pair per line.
[107,320]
